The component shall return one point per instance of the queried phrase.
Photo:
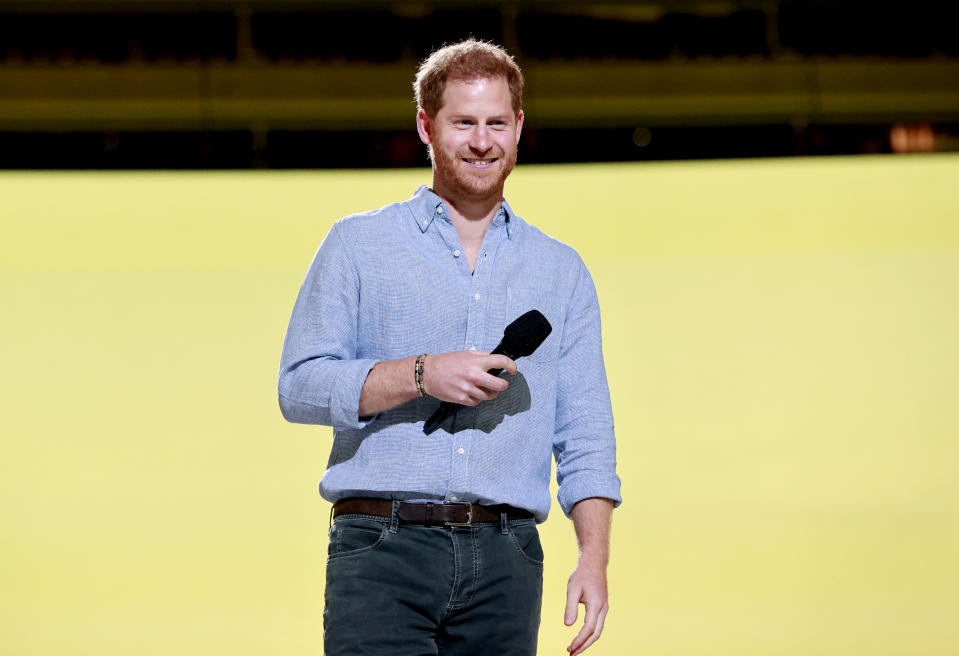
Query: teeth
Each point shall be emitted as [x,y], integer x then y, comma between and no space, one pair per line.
[479,161]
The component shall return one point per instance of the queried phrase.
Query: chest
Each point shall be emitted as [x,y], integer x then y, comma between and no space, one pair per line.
[443,298]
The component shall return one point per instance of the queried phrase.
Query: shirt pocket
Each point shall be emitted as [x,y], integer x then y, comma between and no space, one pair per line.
[520,300]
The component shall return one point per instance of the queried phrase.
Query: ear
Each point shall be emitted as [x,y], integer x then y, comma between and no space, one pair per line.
[519,124]
[424,127]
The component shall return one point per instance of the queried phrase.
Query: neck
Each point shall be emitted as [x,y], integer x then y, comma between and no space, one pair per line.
[471,215]
[471,209]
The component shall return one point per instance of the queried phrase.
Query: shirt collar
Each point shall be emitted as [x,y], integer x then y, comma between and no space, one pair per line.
[505,217]
[425,206]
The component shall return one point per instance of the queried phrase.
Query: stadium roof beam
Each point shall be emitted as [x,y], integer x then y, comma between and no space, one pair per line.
[316,96]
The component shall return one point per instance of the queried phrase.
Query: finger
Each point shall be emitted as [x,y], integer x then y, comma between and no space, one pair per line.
[584,633]
[594,636]
[484,391]
[589,626]
[469,395]
[478,395]
[502,362]
[492,383]
[572,604]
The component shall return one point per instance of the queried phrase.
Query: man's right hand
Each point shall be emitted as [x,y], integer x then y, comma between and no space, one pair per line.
[461,376]
[458,377]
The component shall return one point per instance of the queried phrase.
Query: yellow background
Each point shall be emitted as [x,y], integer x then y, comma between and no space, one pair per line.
[781,342]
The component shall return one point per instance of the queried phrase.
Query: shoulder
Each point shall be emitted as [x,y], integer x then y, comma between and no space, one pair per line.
[556,262]
[371,231]
[548,244]
[369,222]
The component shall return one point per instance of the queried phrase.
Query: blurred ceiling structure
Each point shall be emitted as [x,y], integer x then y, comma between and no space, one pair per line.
[260,67]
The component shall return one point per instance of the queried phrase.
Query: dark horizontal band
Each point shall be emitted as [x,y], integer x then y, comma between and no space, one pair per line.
[429,513]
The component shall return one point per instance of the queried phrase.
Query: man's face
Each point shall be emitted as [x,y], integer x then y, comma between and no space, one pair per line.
[472,138]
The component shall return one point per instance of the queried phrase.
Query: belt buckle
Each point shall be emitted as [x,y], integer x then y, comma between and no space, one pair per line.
[469,513]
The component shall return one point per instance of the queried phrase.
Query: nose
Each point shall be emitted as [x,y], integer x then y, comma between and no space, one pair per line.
[480,141]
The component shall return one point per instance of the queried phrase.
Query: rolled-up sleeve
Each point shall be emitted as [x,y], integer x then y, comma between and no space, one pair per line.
[320,378]
[584,443]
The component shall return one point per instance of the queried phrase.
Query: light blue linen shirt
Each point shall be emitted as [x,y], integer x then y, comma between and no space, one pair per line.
[395,282]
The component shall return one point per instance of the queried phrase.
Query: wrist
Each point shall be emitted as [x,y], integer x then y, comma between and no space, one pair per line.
[596,558]
[596,562]
[419,367]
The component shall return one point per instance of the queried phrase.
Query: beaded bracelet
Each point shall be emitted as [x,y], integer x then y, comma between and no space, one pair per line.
[418,375]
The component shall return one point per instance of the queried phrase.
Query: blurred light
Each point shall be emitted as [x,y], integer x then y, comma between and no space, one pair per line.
[642,137]
[912,138]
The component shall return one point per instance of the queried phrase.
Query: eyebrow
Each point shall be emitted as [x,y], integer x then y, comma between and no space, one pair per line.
[497,117]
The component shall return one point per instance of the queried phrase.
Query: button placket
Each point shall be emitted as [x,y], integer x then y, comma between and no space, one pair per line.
[451,243]
[480,280]
[477,321]
[459,459]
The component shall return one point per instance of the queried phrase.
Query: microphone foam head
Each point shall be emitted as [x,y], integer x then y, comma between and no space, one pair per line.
[525,334]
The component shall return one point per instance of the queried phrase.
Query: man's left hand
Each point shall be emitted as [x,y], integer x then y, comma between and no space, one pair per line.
[587,586]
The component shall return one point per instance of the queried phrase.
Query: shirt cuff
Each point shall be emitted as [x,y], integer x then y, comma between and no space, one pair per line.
[345,398]
[587,484]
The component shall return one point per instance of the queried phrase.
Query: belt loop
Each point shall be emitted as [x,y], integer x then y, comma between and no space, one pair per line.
[395,516]
[429,512]
[503,523]
[331,517]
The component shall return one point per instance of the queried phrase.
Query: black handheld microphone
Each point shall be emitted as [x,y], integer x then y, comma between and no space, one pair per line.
[520,338]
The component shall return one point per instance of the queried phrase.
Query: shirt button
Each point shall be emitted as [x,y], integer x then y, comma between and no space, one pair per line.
[472,348]
[454,498]
[476,296]
[461,450]
[425,223]
[439,210]
[456,253]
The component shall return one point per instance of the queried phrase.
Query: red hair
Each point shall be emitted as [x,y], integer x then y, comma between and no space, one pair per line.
[466,60]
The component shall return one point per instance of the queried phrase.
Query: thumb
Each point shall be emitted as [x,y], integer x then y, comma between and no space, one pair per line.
[572,603]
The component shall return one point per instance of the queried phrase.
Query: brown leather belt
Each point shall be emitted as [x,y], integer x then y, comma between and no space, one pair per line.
[446,514]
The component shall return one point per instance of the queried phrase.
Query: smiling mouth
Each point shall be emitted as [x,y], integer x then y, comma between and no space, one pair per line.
[480,163]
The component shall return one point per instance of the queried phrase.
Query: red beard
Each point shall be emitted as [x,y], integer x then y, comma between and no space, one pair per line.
[457,177]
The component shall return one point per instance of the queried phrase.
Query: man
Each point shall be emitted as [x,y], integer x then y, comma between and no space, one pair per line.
[433,547]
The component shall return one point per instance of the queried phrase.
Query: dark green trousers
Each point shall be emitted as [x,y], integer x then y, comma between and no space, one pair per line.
[412,590]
